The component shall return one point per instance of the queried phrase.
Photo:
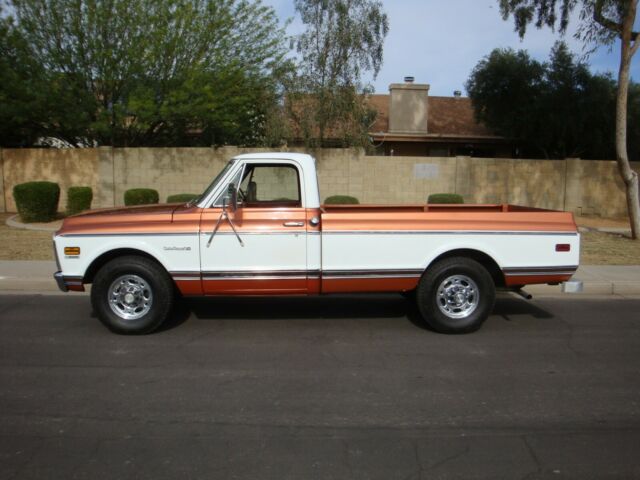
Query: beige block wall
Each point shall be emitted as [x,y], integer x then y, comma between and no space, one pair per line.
[68,167]
[537,183]
[169,170]
[382,180]
[596,188]
[588,187]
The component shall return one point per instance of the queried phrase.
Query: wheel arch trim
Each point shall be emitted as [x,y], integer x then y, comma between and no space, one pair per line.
[104,257]
[488,261]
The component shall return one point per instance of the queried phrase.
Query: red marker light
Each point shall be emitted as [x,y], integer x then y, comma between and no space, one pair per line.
[563,247]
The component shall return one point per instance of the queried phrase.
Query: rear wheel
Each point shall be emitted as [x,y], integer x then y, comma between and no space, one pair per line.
[456,295]
[132,295]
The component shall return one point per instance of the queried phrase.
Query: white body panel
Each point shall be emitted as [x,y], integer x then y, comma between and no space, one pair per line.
[408,250]
[261,252]
[175,252]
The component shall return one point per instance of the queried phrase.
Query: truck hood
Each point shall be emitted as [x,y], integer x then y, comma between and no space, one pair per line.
[137,219]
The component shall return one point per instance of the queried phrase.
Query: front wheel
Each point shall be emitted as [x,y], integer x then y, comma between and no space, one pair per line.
[456,295]
[132,295]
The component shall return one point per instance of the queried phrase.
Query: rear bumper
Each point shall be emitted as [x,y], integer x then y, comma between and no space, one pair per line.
[68,283]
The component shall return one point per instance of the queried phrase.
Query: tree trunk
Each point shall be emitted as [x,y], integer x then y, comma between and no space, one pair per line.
[628,175]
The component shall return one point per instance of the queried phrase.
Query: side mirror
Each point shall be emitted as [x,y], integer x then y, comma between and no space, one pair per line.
[230,200]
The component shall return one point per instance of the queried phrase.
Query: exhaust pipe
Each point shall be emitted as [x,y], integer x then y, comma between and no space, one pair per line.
[523,294]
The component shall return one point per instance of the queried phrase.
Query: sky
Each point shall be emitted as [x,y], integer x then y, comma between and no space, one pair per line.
[440,41]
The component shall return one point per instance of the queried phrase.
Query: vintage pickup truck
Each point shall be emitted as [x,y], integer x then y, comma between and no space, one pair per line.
[259,229]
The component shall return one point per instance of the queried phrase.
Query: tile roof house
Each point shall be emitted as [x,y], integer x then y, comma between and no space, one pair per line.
[412,123]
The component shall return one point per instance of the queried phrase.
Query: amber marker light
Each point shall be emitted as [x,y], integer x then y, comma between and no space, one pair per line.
[563,247]
[72,251]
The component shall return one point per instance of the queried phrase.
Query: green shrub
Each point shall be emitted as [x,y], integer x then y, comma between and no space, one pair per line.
[78,199]
[37,201]
[445,198]
[141,196]
[181,197]
[341,200]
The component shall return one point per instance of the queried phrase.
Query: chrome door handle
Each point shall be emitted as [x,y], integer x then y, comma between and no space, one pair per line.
[293,224]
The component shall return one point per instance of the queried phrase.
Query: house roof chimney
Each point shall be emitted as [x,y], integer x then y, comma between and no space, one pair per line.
[408,107]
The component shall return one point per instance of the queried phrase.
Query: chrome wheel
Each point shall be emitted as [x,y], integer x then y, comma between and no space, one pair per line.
[130,297]
[457,296]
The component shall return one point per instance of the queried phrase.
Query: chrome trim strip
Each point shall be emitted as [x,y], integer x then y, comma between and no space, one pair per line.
[185,276]
[445,232]
[159,234]
[327,232]
[255,273]
[384,272]
[372,276]
[309,274]
[257,277]
[291,232]
[539,271]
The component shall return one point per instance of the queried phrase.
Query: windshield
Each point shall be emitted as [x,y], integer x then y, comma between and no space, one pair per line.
[213,184]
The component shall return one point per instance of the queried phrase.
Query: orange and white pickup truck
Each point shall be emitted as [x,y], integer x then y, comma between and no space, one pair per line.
[259,229]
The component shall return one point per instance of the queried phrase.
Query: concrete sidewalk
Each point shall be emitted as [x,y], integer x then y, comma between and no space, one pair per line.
[37,276]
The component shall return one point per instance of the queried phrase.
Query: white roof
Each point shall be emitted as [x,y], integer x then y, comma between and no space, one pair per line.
[302,158]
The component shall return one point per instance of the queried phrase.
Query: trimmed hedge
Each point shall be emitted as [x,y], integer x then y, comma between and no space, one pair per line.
[445,198]
[341,200]
[78,199]
[181,197]
[37,201]
[141,196]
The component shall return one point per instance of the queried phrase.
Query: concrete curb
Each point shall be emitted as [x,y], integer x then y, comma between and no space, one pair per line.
[13,223]
[27,276]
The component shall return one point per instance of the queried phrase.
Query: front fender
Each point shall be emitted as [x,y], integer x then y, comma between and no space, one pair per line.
[173,252]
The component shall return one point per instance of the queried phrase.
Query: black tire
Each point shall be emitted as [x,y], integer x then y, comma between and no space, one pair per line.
[467,285]
[151,289]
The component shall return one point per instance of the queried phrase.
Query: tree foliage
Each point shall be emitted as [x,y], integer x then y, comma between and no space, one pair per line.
[602,22]
[343,40]
[148,72]
[556,109]
[505,88]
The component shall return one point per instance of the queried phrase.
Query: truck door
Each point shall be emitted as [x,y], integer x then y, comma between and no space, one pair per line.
[267,253]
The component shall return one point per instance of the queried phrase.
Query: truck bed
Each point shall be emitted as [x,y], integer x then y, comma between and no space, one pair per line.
[450,218]
[430,208]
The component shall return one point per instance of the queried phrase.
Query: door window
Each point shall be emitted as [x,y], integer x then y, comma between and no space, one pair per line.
[270,185]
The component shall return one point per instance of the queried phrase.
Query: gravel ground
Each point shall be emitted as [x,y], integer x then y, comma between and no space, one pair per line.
[18,244]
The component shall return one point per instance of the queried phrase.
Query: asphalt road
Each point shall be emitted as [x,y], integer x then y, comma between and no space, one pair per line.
[345,387]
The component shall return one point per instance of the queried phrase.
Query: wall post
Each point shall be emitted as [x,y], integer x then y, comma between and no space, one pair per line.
[106,185]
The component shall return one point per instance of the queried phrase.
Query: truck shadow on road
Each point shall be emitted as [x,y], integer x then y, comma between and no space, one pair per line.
[347,307]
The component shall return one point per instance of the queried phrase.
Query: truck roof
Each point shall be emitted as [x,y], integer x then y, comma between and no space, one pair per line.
[303,158]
